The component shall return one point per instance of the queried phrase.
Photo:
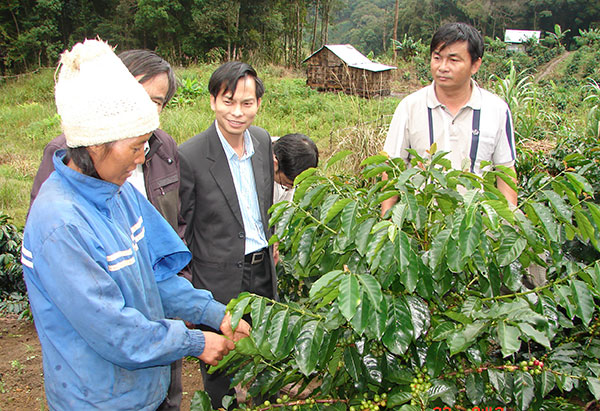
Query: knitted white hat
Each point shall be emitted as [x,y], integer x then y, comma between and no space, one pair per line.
[98,99]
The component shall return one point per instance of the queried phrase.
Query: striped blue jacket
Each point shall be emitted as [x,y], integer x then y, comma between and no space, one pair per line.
[101,266]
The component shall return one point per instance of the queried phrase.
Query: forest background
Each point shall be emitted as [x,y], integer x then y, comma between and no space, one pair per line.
[282,32]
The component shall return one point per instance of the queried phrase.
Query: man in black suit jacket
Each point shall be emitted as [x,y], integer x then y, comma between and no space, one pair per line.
[226,190]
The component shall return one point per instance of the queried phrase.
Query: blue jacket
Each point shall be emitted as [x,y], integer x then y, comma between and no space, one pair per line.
[101,266]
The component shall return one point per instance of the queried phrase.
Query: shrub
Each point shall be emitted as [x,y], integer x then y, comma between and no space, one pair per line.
[11,272]
[408,48]
[574,65]
[432,305]
[593,118]
[589,37]
[189,91]
[421,62]
[495,45]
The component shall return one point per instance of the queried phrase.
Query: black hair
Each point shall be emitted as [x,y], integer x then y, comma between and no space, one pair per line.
[295,153]
[451,33]
[148,64]
[82,159]
[228,75]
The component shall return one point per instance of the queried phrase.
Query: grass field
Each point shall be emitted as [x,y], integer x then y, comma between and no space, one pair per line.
[29,120]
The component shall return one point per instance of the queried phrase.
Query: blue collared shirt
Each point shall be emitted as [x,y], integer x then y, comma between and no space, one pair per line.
[245,188]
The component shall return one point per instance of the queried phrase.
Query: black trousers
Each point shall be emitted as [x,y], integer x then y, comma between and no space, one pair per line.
[257,280]
[175,392]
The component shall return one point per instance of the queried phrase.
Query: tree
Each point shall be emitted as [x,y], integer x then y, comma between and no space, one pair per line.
[314,31]
[558,35]
[32,33]
[160,25]
[395,35]
[126,35]
[214,28]
[42,36]
[324,21]
[9,32]
[369,26]
[300,17]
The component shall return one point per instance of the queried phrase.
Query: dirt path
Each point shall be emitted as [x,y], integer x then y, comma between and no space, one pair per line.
[21,378]
[21,374]
[551,65]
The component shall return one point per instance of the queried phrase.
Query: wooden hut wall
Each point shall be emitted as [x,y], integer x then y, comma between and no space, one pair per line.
[326,71]
[368,83]
[315,73]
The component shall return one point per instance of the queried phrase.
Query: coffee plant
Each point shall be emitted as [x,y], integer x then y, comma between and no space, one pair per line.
[452,299]
[13,292]
[11,272]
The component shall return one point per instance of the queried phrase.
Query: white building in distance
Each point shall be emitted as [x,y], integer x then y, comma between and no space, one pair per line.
[516,38]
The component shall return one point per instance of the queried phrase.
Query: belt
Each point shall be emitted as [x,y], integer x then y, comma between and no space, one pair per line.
[255,257]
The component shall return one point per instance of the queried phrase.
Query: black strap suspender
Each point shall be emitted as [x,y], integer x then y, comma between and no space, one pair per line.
[474,134]
[430,115]
[475,138]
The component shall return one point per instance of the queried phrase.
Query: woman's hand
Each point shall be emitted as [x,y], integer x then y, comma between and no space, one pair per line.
[215,348]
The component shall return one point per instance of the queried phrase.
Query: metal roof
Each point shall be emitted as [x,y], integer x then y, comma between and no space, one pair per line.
[353,57]
[520,36]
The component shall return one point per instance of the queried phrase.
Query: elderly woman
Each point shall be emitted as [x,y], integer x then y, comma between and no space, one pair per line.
[157,178]
[100,262]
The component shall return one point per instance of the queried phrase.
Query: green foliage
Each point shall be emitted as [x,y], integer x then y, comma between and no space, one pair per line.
[365,28]
[434,303]
[589,37]
[515,88]
[201,402]
[593,119]
[34,32]
[494,45]
[421,64]
[16,303]
[531,119]
[497,57]
[579,152]
[408,47]
[558,35]
[11,274]
[189,90]
[12,285]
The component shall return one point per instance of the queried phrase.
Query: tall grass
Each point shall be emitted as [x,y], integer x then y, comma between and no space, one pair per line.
[29,120]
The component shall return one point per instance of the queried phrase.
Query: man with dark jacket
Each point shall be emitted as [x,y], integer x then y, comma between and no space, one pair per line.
[157,178]
[226,191]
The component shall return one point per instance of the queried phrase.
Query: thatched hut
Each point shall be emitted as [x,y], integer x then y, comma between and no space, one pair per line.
[340,67]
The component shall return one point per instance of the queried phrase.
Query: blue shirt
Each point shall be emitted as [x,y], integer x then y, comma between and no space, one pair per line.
[245,188]
[101,264]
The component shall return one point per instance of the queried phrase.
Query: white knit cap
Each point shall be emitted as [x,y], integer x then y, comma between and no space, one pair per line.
[98,99]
